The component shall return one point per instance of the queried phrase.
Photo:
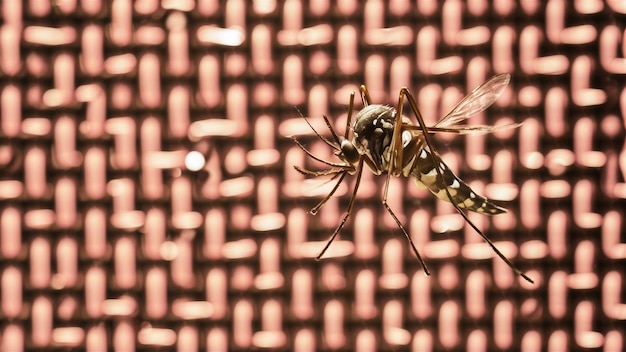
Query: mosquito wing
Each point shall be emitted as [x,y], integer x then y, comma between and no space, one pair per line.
[478,100]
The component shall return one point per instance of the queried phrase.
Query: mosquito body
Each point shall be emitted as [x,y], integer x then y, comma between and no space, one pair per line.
[373,131]
[386,141]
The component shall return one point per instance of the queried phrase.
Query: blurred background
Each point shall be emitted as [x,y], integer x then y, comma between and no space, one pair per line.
[148,199]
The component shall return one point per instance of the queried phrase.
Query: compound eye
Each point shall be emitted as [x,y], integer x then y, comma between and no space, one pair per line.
[349,152]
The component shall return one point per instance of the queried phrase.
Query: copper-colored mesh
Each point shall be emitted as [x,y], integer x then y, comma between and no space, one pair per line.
[148,199]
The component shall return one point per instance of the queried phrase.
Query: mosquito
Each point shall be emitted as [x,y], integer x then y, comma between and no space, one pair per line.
[386,141]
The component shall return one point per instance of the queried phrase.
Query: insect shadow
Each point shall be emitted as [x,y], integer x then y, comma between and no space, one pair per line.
[386,141]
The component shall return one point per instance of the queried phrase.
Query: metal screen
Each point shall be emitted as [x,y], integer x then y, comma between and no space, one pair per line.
[148,198]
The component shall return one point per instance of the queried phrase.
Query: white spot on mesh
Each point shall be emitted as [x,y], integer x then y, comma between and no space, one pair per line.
[423,154]
[472,195]
[455,184]
[194,161]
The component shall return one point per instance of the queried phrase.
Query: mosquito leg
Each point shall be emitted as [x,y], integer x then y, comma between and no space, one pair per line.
[365,96]
[348,211]
[406,234]
[396,151]
[336,174]
[405,92]
[349,120]
[395,167]
[316,208]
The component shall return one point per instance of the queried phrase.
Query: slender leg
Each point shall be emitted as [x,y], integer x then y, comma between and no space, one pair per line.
[316,208]
[348,211]
[365,96]
[420,120]
[406,234]
[350,107]
[395,166]
[396,152]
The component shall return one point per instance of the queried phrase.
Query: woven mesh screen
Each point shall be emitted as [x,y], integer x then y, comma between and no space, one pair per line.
[148,198]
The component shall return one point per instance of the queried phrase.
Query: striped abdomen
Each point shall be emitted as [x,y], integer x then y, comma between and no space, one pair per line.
[424,172]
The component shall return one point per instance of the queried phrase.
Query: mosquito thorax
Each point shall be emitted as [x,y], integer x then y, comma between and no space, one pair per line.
[373,131]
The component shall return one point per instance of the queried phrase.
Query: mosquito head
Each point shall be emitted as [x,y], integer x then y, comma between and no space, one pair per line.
[348,152]
[373,131]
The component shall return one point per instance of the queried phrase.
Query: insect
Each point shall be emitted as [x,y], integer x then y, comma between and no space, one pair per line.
[386,141]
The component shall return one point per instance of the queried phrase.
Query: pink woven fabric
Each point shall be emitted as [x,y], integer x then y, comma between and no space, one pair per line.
[148,197]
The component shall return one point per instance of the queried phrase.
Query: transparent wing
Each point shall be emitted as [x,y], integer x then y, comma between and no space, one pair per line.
[478,100]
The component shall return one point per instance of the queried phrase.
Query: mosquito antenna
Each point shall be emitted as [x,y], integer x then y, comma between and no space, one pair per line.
[308,152]
[332,131]
[413,104]
[348,210]
[334,171]
[331,144]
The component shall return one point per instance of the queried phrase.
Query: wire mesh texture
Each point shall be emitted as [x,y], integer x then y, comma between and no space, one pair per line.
[148,198]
